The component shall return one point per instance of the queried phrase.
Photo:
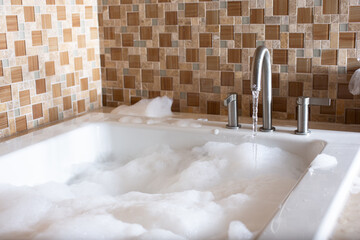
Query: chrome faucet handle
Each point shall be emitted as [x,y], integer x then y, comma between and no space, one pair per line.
[303,104]
[231,103]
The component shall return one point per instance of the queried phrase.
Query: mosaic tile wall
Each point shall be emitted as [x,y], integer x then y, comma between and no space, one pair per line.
[198,51]
[49,61]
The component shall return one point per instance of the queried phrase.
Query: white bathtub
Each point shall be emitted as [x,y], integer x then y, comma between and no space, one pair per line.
[309,211]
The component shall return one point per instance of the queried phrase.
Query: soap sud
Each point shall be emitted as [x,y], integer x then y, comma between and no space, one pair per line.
[354,84]
[215,191]
[237,230]
[157,108]
[202,119]
[216,131]
[187,123]
[129,119]
[322,161]
[355,189]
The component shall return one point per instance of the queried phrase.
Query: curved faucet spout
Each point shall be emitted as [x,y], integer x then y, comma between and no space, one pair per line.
[261,68]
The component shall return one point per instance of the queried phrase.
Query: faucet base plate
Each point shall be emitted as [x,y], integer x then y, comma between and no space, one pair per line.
[267,130]
[302,133]
[233,127]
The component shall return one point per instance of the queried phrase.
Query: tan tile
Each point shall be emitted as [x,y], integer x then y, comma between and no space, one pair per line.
[84,84]
[328,57]
[330,6]
[78,62]
[321,31]
[53,44]
[40,86]
[5,93]
[67,103]
[29,14]
[67,33]
[64,58]
[21,123]
[12,23]
[347,40]
[20,48]
[56,90]
[257,16]
[33,63]
[133,19]
[81,106]
[61,13]
[281,7]
[50,68]
[53,114]
[24,97]
[75,20]
[46,21]
[93,95]
[16,74]
[3,41]
[234,8]
[272,32]
[4,120]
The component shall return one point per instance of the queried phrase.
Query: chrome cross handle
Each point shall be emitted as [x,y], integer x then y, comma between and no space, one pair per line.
[303,104]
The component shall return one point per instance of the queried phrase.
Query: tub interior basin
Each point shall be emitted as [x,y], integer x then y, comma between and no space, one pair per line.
[112,180]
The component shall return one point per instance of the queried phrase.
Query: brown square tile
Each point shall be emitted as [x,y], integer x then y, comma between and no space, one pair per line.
[20,48]
[347,39]
[213,107]
[234,55]
[352,116]
[75,19]
[352,65]
[227,78]
[56,90]
[354,14]
[165,39]
[234,8]
[280,56]
[93,95]
[29,14]
[12,23]
[205,39]
[37,111]
[146,33]
[40,86]
[154,94]
[192,55]
[256,16]
[320,82]
[3,42]
[127,40]
[186,77]
[53,44]
[303,65]
[96,74]
[53,114]
[343,91]
[16,74]
[305,15]
[111,74]
[226,32]
[81,106]
[67,34]
[133,19]
[134,61]
[5,93]
[184,32]
[275,80]
[64,58]
[36,38]
[249,40]
[16,2]
[94,34]
[321,31]
[153,54]
[330,6]
[272,32]
[176,105]
[191,9]
[109,33]
[147,75]
[50,2]
[166,83]
[50,68]
[33,63]
[3,120]
[296,40]
[61,13]
[114,12]
[116,54]
[281,7]
[172,62]
[171,18]
[1,69]
[70,80]
[151,10]
[21,123]
[67,103]
[84,84]
[193,99]
[129,82]
[213,63]
[280,104]
[212,17]
[78,62]
[206,85]
[296,89]
[46,21]
[134,100]
[329,57]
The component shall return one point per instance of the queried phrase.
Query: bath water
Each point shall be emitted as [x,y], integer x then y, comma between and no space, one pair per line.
[204,192]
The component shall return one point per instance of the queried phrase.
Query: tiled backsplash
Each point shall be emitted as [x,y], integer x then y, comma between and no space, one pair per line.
[49,61]
[198,51]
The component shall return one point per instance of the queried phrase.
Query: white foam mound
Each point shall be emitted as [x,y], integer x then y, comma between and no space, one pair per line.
[157,108]
[323,161]
[213,191]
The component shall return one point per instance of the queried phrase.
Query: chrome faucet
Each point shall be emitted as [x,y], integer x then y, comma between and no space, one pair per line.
[261,68]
